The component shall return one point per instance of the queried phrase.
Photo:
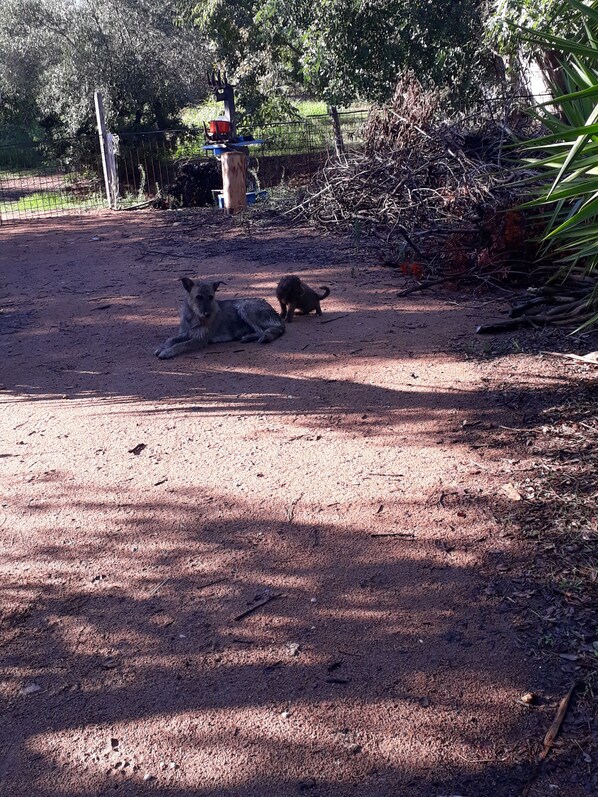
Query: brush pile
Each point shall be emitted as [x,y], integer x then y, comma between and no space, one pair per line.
[571,301]
[428,190]
[195,180]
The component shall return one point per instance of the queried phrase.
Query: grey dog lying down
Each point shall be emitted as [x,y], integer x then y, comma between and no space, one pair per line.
[205,320]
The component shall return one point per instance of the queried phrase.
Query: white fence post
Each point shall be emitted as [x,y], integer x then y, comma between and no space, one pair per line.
[108,156]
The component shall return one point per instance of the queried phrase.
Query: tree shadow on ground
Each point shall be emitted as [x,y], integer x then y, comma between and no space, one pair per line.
[122,631]
[126,620]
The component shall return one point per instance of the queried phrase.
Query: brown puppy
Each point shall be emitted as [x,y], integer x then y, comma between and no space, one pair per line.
[293,294]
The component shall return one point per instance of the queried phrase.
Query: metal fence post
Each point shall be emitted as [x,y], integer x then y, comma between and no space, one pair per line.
[108,156]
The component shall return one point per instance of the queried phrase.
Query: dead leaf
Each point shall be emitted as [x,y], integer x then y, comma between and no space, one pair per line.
[591,358]
[528,698]
[511,492]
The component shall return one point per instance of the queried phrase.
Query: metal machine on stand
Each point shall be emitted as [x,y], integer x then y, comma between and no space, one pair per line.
[222,140]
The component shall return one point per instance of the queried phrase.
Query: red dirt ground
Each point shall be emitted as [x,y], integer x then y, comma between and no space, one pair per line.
[386,665]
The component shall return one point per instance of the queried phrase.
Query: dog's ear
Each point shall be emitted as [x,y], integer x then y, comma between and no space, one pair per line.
[187,283]
[216,285]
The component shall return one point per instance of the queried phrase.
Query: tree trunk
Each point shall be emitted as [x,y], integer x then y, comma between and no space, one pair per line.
[160,116]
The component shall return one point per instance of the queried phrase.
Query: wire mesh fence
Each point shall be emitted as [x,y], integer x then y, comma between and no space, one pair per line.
[50,178]
[53,178]
[149,163]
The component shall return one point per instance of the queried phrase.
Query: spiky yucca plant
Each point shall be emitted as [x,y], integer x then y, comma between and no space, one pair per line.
[567,158]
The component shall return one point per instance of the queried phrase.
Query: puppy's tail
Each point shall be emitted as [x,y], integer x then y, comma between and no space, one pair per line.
[326,292]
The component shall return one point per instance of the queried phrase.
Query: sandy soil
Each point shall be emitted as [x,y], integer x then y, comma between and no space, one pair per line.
[147,504]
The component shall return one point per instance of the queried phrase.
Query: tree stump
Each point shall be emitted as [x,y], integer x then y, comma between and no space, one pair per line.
[234,181]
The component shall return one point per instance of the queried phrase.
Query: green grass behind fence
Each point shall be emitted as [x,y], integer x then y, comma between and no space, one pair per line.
[50,201]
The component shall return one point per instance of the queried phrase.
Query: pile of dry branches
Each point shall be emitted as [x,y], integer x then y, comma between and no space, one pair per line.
[195,180]
[572,301]
[415,179]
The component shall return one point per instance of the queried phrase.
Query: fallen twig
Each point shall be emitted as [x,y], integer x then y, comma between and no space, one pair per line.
[168,254]
[157,587]
[257,606]
[336,318]
[211,583]
[139,206]
[549,739]
[502,326]
[291,508]
[554,729]
[409,534]
[431,283]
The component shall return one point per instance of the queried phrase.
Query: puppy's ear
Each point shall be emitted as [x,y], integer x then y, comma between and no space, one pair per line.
[216,285]
[187,283]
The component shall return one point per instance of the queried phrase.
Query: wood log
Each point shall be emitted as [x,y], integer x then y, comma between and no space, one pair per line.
[502,326]
[523,309]
[234,181]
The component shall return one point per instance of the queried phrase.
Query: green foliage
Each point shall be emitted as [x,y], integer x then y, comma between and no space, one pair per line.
[55,53]
[51,201]
[341,50]
[567,158]
[507,17]
[197,115]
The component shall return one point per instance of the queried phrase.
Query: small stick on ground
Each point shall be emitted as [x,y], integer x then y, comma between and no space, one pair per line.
[554,729]
[157,587]
[257,606]
[336,318]
[549,739]
[291,509]
[503,326]
[392,534]
[168,254]
[431,283]
[211,583]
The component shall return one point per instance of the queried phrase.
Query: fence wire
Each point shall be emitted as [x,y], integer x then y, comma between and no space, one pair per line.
[149,163]
[53,178]
[47,179]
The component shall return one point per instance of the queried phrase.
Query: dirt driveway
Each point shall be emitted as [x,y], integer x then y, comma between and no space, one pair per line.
[346,473]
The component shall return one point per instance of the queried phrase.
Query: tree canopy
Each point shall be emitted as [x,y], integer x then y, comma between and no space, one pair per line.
[55,53]
[149,58]
[342,50]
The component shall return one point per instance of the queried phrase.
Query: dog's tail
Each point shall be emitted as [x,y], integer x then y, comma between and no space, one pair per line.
[326,292]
